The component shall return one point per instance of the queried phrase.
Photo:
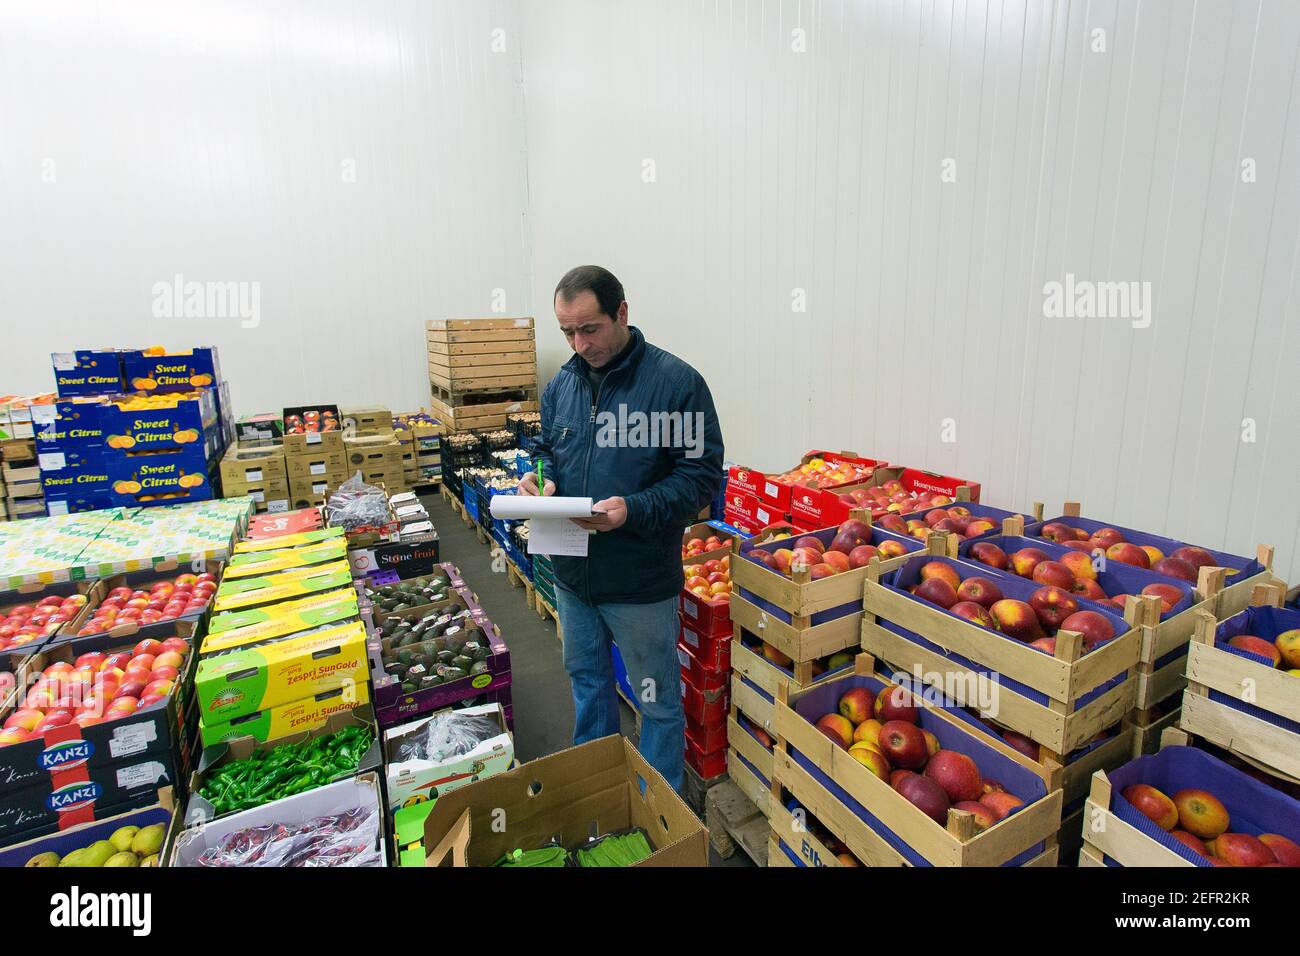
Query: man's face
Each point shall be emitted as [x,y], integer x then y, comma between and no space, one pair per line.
[591,333]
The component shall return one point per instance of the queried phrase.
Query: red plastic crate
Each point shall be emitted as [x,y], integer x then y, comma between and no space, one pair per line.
[706,765]
[707,617]
[704,706]
[710,738]
[702,676]
[711,650]
[774,493]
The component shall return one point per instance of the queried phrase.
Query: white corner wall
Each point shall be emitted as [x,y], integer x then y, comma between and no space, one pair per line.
[780,174]
[362,162]
[910,173]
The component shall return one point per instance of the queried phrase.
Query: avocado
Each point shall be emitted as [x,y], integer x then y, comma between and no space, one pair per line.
[453,673]
[482,654]
[408,687]
[445,657]
[461,662]
[480,667]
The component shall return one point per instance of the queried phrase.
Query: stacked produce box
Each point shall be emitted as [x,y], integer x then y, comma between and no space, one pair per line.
[314,455]
[481,370]
[257,468]
[20,476]
[420,436]
[132,427]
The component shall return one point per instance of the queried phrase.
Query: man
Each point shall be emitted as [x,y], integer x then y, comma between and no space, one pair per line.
[633,428]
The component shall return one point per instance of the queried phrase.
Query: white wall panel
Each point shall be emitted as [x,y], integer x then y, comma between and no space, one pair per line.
[821,170]
[209,139]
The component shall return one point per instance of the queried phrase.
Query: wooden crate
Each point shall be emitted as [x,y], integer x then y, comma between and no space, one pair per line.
[473,416]
[775,855]
[1104,833]
[1160,638]
[799,836]
[1069,839]
[1273,749]
[754,786]
[1146,737]
[956,845]
[745,701]
[451,328]
[800,639]
[1235,595]
[454,387]
[1060,726]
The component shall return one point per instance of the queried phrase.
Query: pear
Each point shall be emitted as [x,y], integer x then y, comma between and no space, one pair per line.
[124,858]
[122,837]
[44,859]
[73,858]
[148,841]
[98,853]
[151,860]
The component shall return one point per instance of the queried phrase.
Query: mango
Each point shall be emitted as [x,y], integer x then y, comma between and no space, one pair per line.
[49,858]
[74,858]
[122,837]
[150,860]
[148,841]
[125,858]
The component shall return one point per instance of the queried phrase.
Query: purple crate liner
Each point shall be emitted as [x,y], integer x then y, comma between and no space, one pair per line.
[1118,578]
[825,536]
[1253,807]
[977,510]
[1266,623]
[1248,566]
[1018,780]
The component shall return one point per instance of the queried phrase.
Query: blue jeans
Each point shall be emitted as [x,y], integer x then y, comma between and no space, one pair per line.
[647,639]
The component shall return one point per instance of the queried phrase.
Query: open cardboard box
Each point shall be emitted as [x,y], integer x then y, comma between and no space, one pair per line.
[585,791]
[415,781]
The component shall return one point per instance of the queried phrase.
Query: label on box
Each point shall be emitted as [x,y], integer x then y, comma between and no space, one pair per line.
[690,608]
[317,468]
[763,517]
[64,361]
[129,778]
[683,657]
[312,438]
[127,741]
[683,688]
[770,489]
[57,507]
[253,474]
[318,487]
[276,507]
[44,414]
[258,496]
[689,637]
[52,461]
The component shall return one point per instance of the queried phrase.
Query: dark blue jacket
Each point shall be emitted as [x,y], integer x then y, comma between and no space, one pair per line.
[598,446]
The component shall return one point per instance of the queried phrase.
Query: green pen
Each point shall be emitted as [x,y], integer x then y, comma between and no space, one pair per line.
[541,482]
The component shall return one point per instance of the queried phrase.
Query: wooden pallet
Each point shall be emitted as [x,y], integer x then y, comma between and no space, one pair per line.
[1267,746]
[491,390]
[695,788]
[734,821]
[545,610]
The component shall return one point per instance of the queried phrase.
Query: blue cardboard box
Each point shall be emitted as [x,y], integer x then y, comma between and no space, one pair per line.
[182,371]
[87,372]
[184,474]
[74,472]
[71,422]
[180,420]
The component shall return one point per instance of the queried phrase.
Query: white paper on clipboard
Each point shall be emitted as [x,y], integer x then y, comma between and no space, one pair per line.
[549,529]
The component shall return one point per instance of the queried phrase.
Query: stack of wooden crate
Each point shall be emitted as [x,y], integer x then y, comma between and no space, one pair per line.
[481,370]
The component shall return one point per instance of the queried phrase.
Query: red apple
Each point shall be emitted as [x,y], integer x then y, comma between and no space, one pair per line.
[1017,619]
[927,796]
[1096,630]
[1175,568]
[1256,645]
[1053,574]
[1021,743]
[1053,605]
[956,773]
[1242,849]
[837,729]
[1196,557]
[1284,851]
[1152,804]
[975,613]
[897,703]
[903,744]
[988,553]
[857,704]
[980,590]
[1001,803]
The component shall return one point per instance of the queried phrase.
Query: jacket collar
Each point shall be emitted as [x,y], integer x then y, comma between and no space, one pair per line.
[578,366]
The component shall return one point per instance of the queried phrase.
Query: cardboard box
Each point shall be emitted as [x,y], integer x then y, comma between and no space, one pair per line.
[327,441]
[260,427]
[294,717]
[594,787]
[310,533]
[415,781]
[168,421]
[74,422]
[180,474]
[409,559]
[161,811]
[306,554]
[774,491]
[316,464]
[313,490]
[235,628]
[262,675]
[200,810]
[372,452]
[366,419]
[181,371]
[268,527]
[75,473]
[360,792]
[253,466]
[234,595]
[88,372]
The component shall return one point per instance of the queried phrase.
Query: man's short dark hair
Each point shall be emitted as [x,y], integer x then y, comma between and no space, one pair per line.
[601,283]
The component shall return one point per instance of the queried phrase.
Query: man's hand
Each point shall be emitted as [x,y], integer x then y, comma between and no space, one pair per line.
[528,485]
[614,514]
